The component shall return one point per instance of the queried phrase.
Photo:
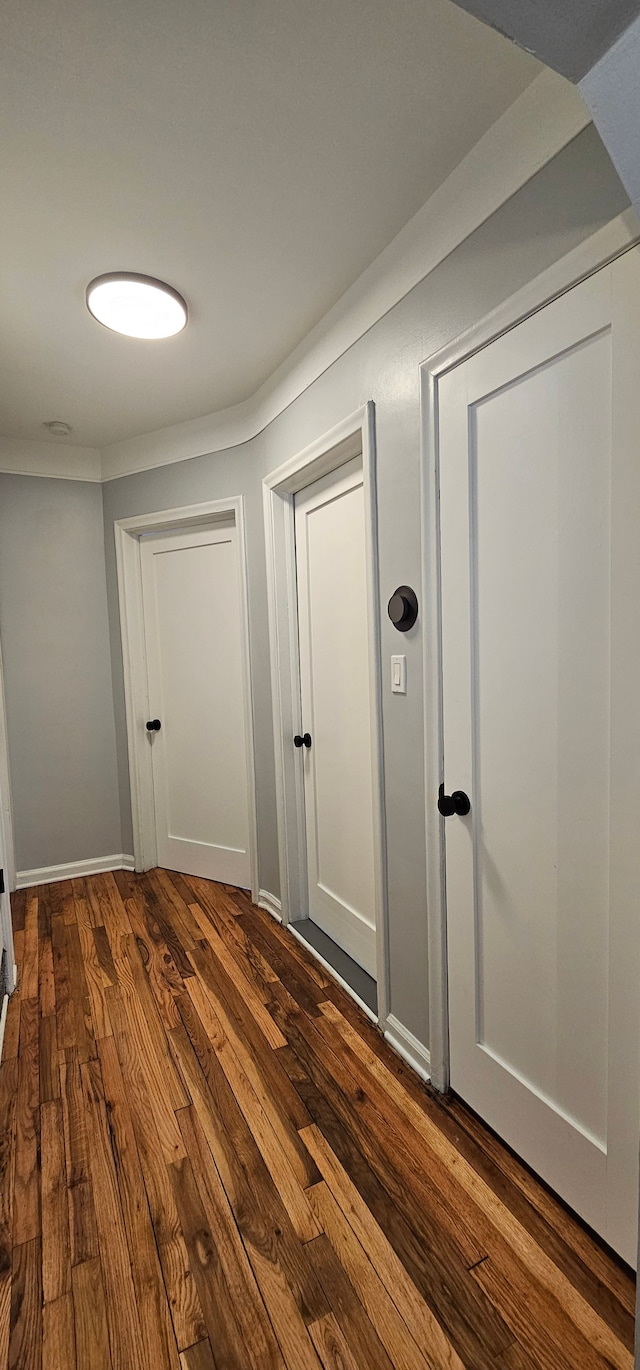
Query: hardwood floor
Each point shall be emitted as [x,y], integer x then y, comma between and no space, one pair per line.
[210,1160]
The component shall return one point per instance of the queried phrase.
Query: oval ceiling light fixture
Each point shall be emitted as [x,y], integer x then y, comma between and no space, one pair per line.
[137,306]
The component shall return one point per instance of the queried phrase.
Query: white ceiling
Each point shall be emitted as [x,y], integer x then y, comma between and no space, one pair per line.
[258,156]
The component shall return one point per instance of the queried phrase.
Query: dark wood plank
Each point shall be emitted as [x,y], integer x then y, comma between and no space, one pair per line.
[359,1334]
[279,937]
[180,885]
[184,1304]
[237,1019]
[330,1345]
[82,1221]
[65,1009]
[18,909]
[514,1358]
[84,1033]
[164,977]
[556,1344]
[288,1163]
[46,981]
[25,1344]
[148,1032]
[103,953]
[199,1357]
[300,985]
[161,929]
[125,1336]
[90,1317]
[166,887]
[264,1224]
[49,1063]
[153,1310]
[8,1093]
[126,883]
[12,1028]
[472,1325]
[261,1348]
[56,1254]
[223,1321]
[58,1335]
[95,978]
[26,1209]
[29,965]
[365,1269]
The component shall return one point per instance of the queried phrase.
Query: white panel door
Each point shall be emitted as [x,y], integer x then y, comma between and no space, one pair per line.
[540,510]
[336,710]
[193,630]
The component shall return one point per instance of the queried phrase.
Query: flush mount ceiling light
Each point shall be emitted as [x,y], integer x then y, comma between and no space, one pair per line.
[58,428]
[138,306]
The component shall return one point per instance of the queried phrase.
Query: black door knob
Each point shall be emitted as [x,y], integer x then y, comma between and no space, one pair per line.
[154,725]
[304,741]
[458,802]
[403,608]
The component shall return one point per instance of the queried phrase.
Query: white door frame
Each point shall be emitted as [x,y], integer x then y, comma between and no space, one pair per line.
[603,247]
[127,538]
[6,808]
[354,437]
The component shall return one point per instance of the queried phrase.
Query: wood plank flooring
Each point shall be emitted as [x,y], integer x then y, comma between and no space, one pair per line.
[210,1160]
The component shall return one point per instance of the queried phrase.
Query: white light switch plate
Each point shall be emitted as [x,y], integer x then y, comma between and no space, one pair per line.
[399,675]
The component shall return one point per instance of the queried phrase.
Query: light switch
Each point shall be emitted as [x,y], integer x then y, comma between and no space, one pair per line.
[399,675]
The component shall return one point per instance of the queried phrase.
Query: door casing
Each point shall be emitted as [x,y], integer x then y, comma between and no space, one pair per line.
[7,845]
[127,538]
[603,247]
[354,437]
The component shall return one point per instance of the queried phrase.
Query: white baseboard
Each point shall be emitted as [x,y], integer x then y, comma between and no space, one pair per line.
[3,1020]
[412,1051]
[270,904]
[73,870]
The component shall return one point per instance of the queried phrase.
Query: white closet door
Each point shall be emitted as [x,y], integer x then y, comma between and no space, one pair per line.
[540,509]
[193,630]
[335,688]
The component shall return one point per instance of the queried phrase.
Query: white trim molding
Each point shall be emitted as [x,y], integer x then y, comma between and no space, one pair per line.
[127,539]
[354,437]
[409,1047]
[535,128]
[3,1021]
[6,807]
[73,870]
[51,460]
[603,247]
[270,904]
[547,116]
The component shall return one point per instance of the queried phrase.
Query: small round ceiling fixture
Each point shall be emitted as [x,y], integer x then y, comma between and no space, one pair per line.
[137,306]
[58,428]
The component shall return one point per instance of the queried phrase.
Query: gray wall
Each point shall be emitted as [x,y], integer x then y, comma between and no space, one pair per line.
[568,36]
[569,200]
[53,624]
